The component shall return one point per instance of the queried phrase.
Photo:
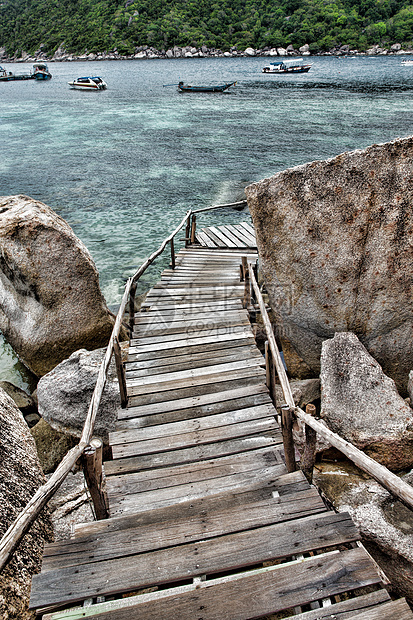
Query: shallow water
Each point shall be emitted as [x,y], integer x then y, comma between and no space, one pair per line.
[122,166]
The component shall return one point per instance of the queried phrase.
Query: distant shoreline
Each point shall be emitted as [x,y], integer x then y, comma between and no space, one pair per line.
[150,53]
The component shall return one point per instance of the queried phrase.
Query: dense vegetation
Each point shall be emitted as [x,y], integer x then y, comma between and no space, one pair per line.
[105,25]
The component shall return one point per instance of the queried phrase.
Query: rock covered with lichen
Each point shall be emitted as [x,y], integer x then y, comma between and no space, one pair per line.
[51,302]
[20,477]
[336,251]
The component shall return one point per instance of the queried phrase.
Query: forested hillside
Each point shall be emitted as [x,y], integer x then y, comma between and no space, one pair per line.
[103,25]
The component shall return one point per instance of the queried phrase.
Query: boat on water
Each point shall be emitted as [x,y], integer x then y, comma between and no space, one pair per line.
[41,72]
[407,63]
[287,66]
[88,83]
[213,88]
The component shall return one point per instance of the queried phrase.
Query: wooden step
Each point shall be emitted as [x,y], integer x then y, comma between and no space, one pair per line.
[224,553]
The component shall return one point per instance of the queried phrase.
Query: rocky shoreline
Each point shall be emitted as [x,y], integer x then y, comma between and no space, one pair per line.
[145,52]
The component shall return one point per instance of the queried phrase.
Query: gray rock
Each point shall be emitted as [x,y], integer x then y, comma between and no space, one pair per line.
[51,445]
[20,477]
[70,506]
[249,51]
[385,524]
[21,399]
[304,392]
[52,304]
[334,239]
[64,394]
[361,404]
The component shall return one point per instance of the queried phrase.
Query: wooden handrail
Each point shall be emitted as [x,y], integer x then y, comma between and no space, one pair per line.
[230,205]
[395,485]
[31,511]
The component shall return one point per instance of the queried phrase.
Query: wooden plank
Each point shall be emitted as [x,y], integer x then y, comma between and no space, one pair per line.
[243,236]
[215,291]
[194,381]
[131,420]
[225,239]
[187,426]
[202,238]
[140,534]
[238,334]
[248,226]
[191,474]
[147,319]
[178,313]
[240,244]
[224,553]
[193,373]
[188,328]
[346,608]
[194,391]
[214,237]
[153,606]
[285,486]
[393,610]
[205,254]
[123,503]
[244,231]
[180,362]
[196,453]
[171,306]
[185,310]
[201,332]
[185,440]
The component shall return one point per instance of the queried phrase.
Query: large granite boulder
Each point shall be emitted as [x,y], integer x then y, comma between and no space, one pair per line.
[335,244]
[360,403]
[64,394]
[20,477]
[385,524]
[49,286]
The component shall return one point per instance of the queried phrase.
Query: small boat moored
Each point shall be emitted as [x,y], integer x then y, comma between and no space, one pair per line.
[41,72]
[287,66]
[8,76]
[88,83]
[218,88]
[407,63]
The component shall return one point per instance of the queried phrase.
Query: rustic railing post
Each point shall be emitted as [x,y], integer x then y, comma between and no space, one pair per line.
[172,254]
[253,295]
[92,469]
[193,229]
[188,230]
[288,440]
[121,373]
[270,374]
[308,459]
[247,283]
[132,294]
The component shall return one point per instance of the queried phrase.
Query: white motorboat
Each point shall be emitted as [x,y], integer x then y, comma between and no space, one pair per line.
[287,66]
[407,63]
[88,83]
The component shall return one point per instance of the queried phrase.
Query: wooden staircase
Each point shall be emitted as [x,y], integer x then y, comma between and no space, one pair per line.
[206,523]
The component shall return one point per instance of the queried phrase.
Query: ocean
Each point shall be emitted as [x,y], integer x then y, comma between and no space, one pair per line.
[122,166]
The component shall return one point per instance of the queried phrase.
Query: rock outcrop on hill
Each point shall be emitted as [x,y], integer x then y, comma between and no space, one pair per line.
[362,405]
[335,244]
[20,477]
[51,303]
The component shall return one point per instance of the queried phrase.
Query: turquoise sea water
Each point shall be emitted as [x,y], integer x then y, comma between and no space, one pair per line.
[122,166]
